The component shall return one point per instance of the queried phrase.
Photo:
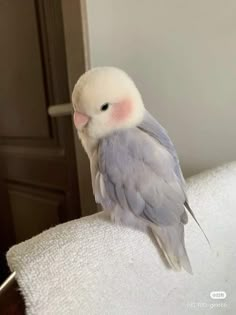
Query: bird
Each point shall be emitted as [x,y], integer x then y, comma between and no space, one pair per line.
[135,170]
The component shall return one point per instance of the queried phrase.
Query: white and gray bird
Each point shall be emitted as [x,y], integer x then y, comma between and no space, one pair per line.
[135,170]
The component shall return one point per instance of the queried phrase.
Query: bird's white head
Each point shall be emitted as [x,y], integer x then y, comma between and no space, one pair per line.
[105,99]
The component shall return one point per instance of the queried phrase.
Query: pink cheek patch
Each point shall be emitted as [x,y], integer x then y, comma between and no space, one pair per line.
[121,111]
[80,119]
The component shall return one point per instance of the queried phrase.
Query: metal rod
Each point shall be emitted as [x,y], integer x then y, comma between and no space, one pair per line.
[7,281]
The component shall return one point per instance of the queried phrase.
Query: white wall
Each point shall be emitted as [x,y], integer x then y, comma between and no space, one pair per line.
[182,55]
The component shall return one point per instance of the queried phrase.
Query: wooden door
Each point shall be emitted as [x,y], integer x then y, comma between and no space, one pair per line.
[38,175]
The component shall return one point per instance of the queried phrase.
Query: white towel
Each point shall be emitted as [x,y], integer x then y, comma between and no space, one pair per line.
[92,267]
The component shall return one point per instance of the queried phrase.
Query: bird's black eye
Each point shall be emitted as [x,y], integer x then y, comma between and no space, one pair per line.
[104,107]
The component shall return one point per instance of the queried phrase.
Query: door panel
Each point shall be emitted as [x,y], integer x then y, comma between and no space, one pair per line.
[34,210]
[37,158]
[37,169]
[22,86]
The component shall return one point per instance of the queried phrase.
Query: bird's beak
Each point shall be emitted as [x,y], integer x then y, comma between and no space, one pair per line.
[80,120]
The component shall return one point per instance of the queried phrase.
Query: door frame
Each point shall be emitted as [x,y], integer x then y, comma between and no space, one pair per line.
[78,61]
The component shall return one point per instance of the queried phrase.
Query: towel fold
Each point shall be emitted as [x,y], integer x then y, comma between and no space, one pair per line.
[93,267]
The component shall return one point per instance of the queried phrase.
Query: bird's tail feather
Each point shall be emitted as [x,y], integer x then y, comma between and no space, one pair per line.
[187,206]
[171,241]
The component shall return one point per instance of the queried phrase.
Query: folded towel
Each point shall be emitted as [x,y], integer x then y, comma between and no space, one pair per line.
[93,267]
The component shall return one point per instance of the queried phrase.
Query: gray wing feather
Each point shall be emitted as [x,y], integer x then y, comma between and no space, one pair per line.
[139,175]
[157,131]
[137,179]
